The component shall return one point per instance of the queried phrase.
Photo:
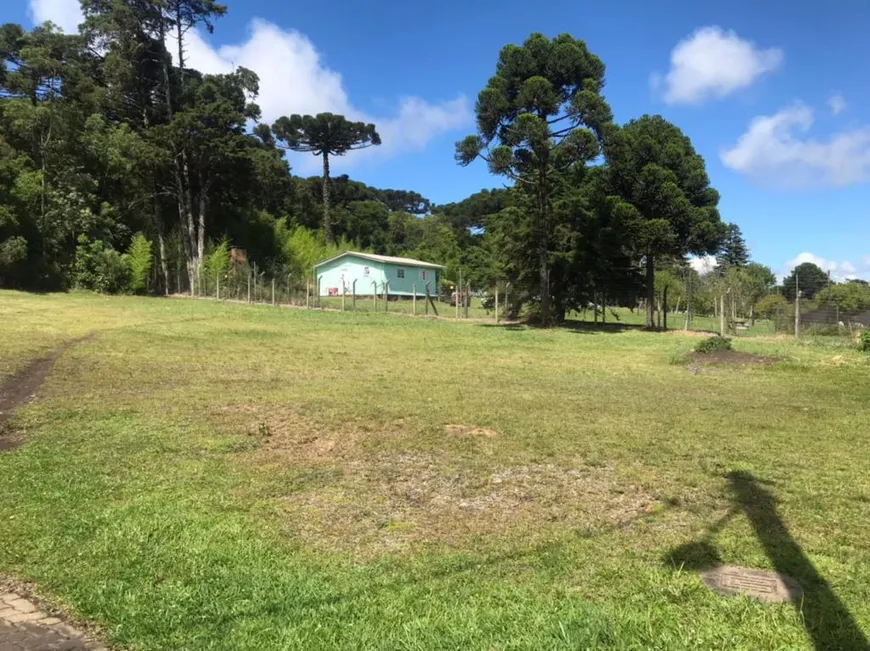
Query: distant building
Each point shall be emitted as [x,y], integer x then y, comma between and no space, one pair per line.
[372,273]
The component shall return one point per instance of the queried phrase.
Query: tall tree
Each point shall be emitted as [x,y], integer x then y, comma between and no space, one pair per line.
[808,278]
[178,18]
[655,169]
[734,252]
[541,113]
[325,135]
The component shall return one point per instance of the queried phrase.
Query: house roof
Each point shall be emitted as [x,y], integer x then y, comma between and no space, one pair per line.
[405,262]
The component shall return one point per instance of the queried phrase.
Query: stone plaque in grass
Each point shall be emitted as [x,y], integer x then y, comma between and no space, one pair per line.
[771,587]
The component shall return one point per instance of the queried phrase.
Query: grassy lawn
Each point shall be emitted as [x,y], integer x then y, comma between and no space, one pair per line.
[205,475]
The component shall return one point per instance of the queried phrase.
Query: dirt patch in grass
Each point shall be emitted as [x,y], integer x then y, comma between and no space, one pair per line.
[470,430]
[21,388]
[731,358]
[348,490]
[374,505]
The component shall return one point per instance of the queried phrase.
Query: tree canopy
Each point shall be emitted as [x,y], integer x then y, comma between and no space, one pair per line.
[539,115]
[656,171]
[325,135]
[808,278]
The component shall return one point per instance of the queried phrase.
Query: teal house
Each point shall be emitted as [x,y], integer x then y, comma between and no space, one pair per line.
[365,274]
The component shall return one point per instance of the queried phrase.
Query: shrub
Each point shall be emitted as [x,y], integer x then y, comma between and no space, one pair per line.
[140,260]
[713,344]
[864,341]
[100,268]
[217,260]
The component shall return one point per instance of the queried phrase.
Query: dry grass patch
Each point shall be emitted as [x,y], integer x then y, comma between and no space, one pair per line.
[377,504]
[470,430]
[337,489]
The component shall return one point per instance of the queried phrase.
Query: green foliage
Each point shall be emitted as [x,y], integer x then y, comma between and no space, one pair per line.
[770,305]
[734,252]
[864,341]
[217,260]
[324,134]
[13,252]
[303,248]
[140,259]
[100,268]
[671,209]
[713,344]
[540,114]
[850,297]
[807,277]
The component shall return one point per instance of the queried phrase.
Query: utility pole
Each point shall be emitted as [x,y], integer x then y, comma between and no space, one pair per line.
[722,314]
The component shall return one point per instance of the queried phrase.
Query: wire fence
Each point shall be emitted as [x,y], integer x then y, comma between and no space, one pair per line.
[678,305]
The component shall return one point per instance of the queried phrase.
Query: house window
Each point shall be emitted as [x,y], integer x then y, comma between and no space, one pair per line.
[423,275]
[365,271]
[400,273]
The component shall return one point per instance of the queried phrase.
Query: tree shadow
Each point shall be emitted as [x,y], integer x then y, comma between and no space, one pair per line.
[825,617]
[579,327]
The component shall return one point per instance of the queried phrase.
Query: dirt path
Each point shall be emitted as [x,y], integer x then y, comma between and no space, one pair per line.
[21,388]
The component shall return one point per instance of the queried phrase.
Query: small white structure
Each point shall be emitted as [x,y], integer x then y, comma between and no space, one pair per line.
[372,274]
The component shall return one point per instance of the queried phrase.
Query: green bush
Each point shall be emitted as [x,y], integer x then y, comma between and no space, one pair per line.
[140,260]
[217,260]
[100,268]
[713,344]
[864,341]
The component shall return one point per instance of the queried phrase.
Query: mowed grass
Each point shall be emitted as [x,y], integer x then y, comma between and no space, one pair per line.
[203,475]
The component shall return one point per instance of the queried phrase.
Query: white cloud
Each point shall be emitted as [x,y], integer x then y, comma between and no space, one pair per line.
[704,264]
[839,270]
[713,63]
[294,79]
[837,104]
[66,14]
[775,150]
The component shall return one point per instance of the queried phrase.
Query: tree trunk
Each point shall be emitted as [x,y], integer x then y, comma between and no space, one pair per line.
[200,231]
[179,167]
[544,248]
[327,219]
[164,264]
[665,308]
[650,290]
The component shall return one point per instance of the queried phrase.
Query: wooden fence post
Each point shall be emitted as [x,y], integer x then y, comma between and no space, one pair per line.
[343,294]
[426,302]
[466,297]
[458,293]
[307,294]
[249,287]
[217,285]
[496,302]
[387,296]
[273,291]
[375,293]
[353,295]
[414,300]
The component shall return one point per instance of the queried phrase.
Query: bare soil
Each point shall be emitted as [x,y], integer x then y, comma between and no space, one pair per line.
[21,389]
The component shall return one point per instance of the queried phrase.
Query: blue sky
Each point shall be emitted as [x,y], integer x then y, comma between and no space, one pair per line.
[773,94]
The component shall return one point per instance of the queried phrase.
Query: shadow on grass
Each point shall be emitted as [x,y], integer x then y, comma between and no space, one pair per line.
[580,327]
[826,619]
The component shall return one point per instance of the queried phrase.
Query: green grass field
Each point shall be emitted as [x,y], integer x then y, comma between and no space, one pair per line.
[205,475]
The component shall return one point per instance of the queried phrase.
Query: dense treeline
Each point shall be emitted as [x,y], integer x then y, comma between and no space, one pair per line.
[103,136]
[122,169]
